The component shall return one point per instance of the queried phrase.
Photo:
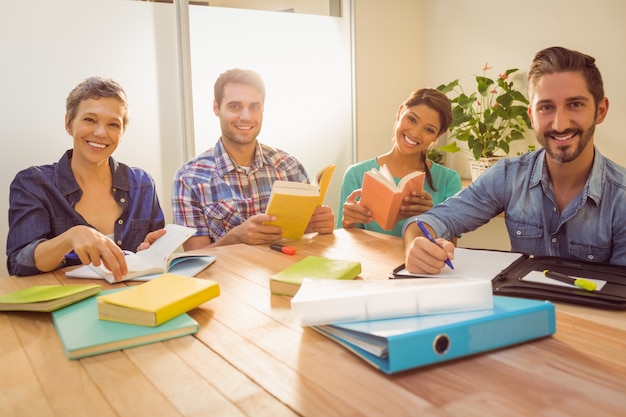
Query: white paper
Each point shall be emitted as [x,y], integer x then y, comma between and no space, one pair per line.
[473,263]
[539,277]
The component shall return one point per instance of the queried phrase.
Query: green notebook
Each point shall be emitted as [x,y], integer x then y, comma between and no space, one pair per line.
[288,281]
[46,297]
[83,334]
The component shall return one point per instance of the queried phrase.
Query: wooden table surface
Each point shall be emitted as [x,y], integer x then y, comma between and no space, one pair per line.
[251,358]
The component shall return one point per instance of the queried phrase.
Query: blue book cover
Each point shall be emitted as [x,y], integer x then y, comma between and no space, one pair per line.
[83,334]
[395,345]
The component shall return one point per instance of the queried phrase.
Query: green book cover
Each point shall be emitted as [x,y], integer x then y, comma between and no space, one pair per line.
[46,298]
[287,282]
[83,334]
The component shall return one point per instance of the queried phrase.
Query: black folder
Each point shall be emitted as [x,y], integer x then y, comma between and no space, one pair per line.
[612,296]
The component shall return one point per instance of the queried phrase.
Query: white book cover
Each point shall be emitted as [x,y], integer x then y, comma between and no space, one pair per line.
[330,301]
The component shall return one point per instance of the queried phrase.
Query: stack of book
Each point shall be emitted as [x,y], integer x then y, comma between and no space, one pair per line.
[396,325]
[132,316]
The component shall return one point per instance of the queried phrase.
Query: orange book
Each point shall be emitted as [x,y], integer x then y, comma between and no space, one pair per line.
[383,197]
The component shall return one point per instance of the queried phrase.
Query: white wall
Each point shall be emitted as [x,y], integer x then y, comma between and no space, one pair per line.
[389,65]
[49,47]
[406,44]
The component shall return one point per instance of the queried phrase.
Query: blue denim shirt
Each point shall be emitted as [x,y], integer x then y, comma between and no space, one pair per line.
[592,227]
[42,200]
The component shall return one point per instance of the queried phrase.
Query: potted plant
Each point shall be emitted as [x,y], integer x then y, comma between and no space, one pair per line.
[488,119]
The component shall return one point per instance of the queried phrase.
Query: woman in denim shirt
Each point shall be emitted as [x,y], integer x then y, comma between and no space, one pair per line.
[564,200]
[87,207]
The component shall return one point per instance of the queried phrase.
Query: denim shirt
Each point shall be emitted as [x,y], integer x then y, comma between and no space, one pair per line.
[592,227]
[42,201]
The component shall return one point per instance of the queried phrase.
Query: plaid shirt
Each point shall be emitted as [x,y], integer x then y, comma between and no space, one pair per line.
[213,195]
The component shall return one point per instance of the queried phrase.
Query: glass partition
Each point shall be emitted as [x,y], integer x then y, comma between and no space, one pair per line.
[305,61]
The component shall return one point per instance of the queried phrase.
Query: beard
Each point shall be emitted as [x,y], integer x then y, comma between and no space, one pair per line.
[566,153]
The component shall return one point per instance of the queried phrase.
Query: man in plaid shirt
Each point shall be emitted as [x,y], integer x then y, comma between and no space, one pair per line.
[223,192]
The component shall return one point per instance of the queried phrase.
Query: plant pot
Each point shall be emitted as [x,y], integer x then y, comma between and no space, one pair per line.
[477,167]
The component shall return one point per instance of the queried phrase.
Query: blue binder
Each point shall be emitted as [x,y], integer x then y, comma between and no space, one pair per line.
[395,345]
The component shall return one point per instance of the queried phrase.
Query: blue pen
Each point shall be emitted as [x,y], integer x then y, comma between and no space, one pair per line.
[429,237]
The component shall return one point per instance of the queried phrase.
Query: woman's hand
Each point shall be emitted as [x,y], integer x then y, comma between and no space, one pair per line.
[150,239]
[417,203]
[89,245]
[353,212]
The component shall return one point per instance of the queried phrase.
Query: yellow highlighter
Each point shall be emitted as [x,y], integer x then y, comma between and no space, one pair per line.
[579,282]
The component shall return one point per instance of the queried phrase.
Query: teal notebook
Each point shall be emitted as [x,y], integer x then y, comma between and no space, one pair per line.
[395,345]
[83,334]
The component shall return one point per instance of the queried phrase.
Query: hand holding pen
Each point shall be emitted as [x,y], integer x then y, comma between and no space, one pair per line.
[432,239]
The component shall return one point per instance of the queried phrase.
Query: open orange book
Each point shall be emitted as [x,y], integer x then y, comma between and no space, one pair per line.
[383,198]
[293,203]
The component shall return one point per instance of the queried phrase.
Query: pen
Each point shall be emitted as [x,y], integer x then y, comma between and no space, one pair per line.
[289,250]
[579,282]
[429,237]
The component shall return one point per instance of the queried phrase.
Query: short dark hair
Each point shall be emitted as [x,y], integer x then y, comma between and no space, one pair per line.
[558,59]
[238,76]
[95,88]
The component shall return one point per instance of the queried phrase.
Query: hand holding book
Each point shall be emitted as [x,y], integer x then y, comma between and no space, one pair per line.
[381,195]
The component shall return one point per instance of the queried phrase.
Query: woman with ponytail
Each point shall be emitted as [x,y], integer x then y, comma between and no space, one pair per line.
[424,116]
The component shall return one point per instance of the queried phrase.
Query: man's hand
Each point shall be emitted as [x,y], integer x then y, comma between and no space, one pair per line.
[251,232]
[322,221]
[422,255]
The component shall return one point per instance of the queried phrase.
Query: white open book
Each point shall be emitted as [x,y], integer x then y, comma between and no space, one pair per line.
[156,260]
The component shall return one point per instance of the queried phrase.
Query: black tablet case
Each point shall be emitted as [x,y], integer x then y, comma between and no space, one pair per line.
[612,296]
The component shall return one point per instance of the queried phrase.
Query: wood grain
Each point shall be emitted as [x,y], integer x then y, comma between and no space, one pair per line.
[250,357]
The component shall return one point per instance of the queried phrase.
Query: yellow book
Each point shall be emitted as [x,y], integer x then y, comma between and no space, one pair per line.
[157,301]
[288,281]
[293,203]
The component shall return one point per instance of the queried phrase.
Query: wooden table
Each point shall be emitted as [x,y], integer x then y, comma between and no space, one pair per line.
[251,358]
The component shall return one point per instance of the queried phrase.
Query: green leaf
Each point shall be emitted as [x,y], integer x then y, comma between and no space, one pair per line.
[478,151]
[450,147]
[484,85]
[449,87]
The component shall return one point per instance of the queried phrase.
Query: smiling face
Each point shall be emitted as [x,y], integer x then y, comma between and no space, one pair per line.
[416,128]
[240,113]
[97,129]
[564,115]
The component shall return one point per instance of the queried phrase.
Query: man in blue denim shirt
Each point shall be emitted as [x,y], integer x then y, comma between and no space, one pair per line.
[87,207]
[564,200]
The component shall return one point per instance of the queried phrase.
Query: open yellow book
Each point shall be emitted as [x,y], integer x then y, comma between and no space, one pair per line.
[293,203]
[383,197]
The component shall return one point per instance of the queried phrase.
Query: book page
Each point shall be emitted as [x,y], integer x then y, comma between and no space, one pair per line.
[414,181]
[383,175]
[155,258]
[159,252]
[323,180]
